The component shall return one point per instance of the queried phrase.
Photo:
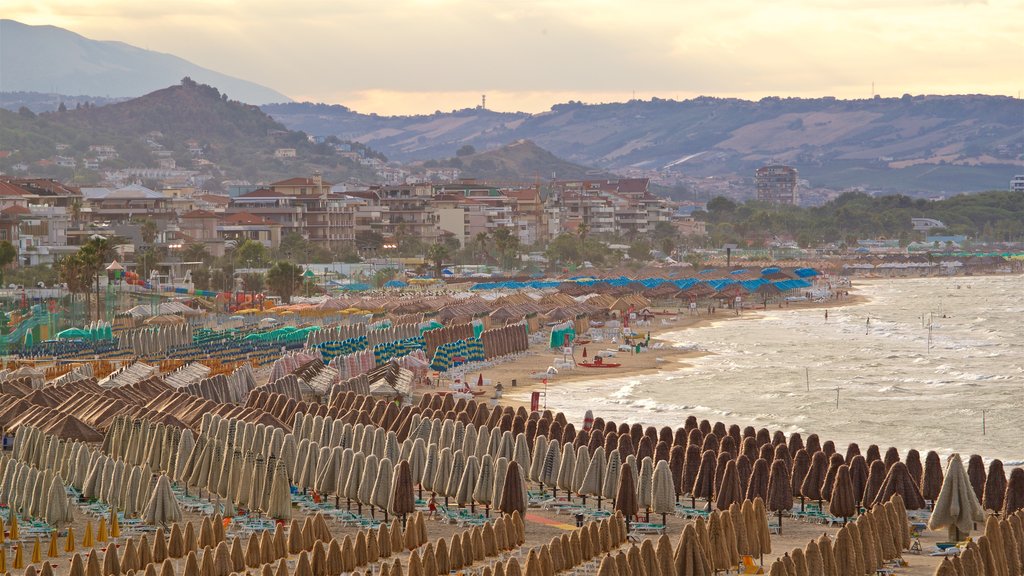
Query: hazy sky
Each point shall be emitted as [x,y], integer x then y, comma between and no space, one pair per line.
[394,56]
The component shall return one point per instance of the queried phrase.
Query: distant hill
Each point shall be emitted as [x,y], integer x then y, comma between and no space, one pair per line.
[49,59]
[40,102]
[193,124]
[522,160]
[921,143]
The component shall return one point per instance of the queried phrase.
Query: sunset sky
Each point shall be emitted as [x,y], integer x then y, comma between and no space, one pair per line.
[417,56]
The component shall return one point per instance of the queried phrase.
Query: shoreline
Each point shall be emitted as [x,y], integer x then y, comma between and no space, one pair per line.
[651,361]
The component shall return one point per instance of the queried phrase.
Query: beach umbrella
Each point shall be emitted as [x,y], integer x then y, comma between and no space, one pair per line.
[467,483]
[876,477]
[56,504]
[279,501]
[689,557]
[611,476]
[355,475]
[500,470]
[704,482]
[594,478]
[380,496]
[956,507]
[663,491]
[976,473]
[521,452]
[328,476]
[513,494]
[645,487]
[484,489]
[566,468]
[843,502]
[403,501]
[858,477]
[995,486]
[815,477]
[458,466]
[898,481]
[162,507]
[780,491]
[417,462]
[365,492]
[625,494]
[931,481]
[728,491]
[1013,498]
[442,472]
[834,462]
[548,472]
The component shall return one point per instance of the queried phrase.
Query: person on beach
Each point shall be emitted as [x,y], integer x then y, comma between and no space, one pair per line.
[432,505]
[826,315]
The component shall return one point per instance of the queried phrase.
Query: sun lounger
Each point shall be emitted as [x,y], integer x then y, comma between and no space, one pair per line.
[647,528]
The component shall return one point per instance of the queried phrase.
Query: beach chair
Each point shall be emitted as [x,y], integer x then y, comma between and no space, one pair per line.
[749,567]
[647,528]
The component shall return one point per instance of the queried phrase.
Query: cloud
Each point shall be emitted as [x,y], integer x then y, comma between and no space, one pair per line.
[591,48]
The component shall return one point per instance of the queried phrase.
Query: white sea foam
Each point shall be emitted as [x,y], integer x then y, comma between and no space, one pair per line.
[893,388]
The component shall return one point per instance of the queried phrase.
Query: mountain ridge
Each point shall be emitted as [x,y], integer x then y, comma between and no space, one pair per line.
[43,58]
[924,143]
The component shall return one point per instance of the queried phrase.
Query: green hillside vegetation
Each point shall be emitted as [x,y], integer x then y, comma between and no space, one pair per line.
[521,160]
[239,139]
[986,216]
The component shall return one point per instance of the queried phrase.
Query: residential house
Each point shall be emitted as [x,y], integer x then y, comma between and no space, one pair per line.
[234,228]
[327,219]
[200,227]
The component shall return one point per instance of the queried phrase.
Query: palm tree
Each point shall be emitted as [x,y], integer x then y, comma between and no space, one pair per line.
[437,253]
[195,252]
[94,255]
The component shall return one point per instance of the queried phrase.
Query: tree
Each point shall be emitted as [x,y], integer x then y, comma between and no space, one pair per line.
[252,282]
[148,230]
[8,254]
[465,150]
[640,250]
[195,252]
[94,256]
[507,246]
[369,240]
[437,253]
[201,278]
[283,279]
[249,254]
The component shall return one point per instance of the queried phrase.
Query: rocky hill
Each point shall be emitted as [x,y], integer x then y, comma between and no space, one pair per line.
[192,124]
[909,144]
[50,59]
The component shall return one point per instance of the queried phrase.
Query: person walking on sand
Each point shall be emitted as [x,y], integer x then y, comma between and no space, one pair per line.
[432,505]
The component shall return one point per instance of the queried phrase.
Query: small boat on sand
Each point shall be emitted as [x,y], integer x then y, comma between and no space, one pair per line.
[599,364]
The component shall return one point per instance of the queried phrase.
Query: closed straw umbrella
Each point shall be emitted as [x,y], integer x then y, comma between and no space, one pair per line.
[995,486]
[403,501]
[689,557]
[663,491]
[355,475]
[931,481]
[625,495]
[365,492]
[162,507]
[380,496]
[843,503]
[566,468]
[279,505]
[704,482]
[549,467]
[513,494]
[729,491]
[898,481]
[956,508]
[56,504]
[611,476]
[876,477]
[417,462]
[645,487]
[1013,498]
[976,472]
[593,480]
[780,491]
[483,490]
[467,483]
[815,477]
[757,485]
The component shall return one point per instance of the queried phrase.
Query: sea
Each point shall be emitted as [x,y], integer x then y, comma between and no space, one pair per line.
[928,363]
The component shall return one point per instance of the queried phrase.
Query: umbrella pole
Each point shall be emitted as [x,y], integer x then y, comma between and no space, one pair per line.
[802,503]
[598,502]
[487,511]
[647,515]
[780,522]
[403,521]
[664,519]
[472,507]
[385,515]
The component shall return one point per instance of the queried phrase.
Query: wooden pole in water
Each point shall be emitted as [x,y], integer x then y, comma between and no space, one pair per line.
[837,397]
[983,421]
[807,376]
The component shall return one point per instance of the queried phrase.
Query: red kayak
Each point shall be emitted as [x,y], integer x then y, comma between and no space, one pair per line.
[601,365]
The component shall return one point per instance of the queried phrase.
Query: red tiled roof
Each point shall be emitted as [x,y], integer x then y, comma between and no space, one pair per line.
[16,209]
[246,219]
[8,189]
[214,198]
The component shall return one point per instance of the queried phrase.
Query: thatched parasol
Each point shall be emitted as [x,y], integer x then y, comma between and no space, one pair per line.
[380,495]
[931,481]
[728,491]
[689,557]
[625,494]
[976,473]
[1013,498]
[403,501]
[162,507]
[663,491]
[780,491]
[593,479]
[956,507]
[843,501]
[898,481]
[995,486]
[279,502]
[611,475]
[704,481]
[513,493]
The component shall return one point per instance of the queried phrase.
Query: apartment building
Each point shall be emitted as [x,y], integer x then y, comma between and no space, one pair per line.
[623,207]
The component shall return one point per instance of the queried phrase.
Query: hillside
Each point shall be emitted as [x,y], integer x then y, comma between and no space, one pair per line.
[191,125]
[911,144]
[521,160]
[47,59]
